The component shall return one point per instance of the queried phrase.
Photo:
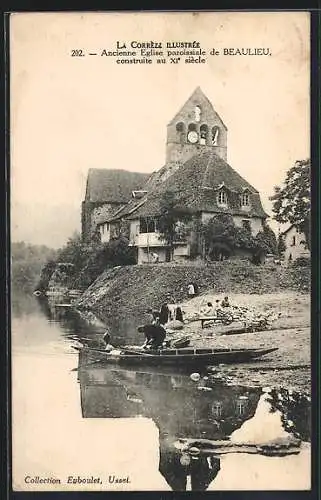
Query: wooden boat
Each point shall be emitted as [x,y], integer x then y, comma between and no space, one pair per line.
[74,294]
[179,357]
[56,292]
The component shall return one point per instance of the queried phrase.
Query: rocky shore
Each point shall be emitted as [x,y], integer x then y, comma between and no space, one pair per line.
[289,366]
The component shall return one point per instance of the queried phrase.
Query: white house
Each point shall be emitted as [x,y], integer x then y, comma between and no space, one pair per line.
[295,243]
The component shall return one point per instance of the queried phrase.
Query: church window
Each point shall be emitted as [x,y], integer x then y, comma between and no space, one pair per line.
[203,134]
[180,129]
[245,200]
[222,198]
[293,241]
[192,127]
[215,135]
[198,112]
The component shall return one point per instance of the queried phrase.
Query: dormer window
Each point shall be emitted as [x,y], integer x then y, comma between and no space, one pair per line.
[222,198]
[217,408]
[197,113]
[245,200]
[241,405]
[138,194]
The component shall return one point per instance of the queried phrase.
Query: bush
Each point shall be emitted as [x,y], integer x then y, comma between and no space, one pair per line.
[27,262]
[222,238]
[88,262]
[302,262]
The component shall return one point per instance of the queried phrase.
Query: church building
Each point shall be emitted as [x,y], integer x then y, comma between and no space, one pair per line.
[203,183]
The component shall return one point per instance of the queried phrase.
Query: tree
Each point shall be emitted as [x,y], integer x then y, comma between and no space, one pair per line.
[292,203]
[45,275]
[76,251]
[222,238]
[27,261]
[172,220]
[265,240]
[281,246]
[220,234]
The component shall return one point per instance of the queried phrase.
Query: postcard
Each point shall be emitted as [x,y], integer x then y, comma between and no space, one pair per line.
[160,236]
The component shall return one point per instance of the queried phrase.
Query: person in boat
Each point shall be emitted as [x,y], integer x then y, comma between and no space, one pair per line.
[225,302]
[154,335]
[106,339]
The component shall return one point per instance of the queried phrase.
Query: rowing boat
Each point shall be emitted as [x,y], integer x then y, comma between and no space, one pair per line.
[179,357]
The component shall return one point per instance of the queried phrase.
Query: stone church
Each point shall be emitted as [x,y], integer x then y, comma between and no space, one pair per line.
[196,171]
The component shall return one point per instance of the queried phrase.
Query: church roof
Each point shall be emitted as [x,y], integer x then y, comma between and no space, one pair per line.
[195,185]
[113,186]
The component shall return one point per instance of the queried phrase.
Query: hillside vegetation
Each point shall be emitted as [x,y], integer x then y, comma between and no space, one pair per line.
[26,263]
[131,289]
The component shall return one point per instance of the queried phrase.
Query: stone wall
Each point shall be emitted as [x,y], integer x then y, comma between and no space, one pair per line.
[92,213]
[177,146]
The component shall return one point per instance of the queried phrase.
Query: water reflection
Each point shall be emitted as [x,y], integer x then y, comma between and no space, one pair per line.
[197,420]
[24,304]
[182,410]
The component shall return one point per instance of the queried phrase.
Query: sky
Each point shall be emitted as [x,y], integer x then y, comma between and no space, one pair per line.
[69,114]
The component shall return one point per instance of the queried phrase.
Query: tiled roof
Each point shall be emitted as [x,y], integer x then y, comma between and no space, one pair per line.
[114,186]
[195,184]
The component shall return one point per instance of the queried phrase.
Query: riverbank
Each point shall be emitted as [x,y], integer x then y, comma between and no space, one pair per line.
[126,292]
[289,366]
[129,290]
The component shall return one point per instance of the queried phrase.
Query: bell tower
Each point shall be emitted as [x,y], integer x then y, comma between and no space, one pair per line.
[194,129]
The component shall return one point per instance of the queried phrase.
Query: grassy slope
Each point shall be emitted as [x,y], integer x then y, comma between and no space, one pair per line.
[134,288]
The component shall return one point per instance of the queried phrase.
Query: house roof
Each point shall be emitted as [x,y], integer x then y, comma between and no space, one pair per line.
[114,186]
[195,185]
[292,226]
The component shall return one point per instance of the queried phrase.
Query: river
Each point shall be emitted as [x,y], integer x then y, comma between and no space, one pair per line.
[102,428]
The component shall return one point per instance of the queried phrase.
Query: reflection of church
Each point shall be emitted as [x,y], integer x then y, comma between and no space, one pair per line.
[180,408]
